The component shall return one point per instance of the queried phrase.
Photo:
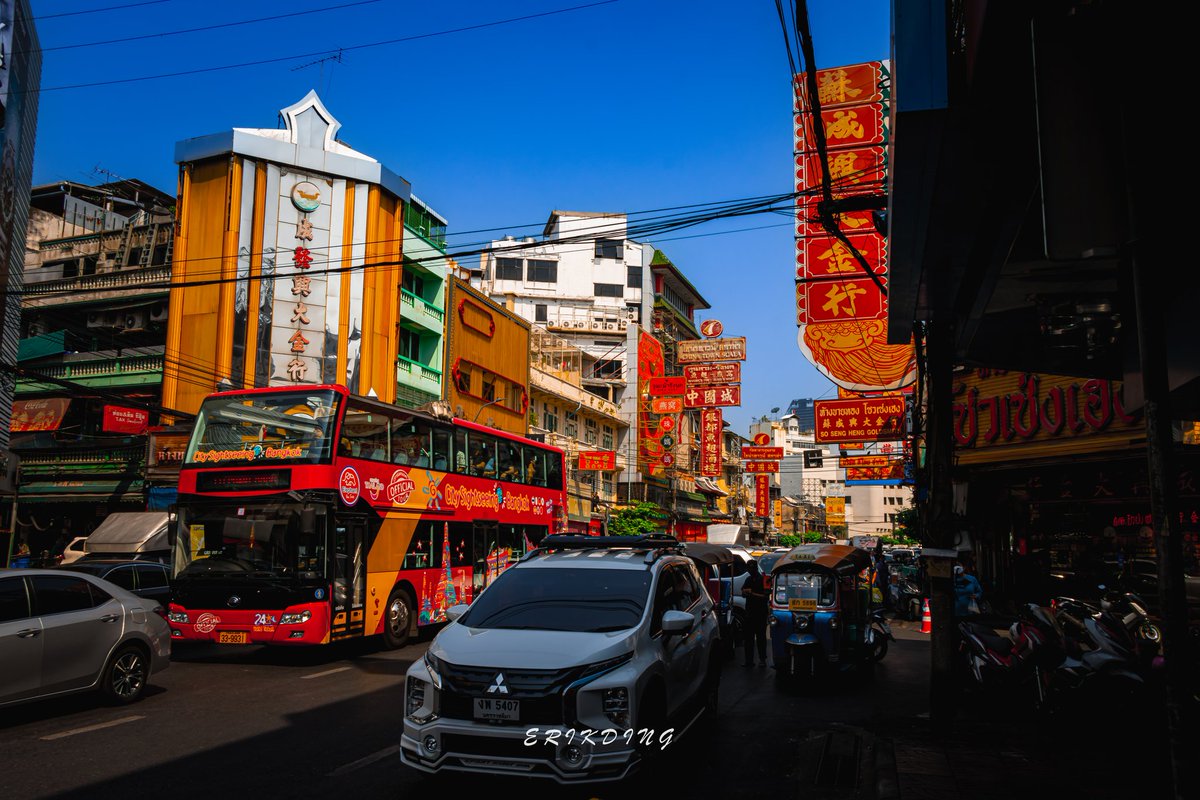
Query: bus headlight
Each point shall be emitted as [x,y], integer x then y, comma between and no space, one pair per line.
[295,619]
[178,616]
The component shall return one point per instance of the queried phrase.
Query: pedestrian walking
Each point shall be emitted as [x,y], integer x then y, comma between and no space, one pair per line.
[967,592]
[755,592]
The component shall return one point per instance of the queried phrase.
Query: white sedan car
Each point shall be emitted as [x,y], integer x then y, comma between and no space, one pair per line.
[62,633]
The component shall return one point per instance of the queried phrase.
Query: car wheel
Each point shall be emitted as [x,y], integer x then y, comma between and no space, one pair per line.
[125,676]
[398,618]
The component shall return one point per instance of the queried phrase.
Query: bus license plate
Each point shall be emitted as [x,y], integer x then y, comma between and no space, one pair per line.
[233,637]
[496,709]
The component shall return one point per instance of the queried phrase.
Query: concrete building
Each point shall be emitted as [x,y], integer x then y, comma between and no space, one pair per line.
[421,333]
[804,412]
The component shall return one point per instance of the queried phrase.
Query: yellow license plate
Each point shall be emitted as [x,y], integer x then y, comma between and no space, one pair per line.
[802,604]
[233,637]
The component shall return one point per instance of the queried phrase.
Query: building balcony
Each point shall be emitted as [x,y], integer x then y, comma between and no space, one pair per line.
[421,311]
[99,286]
[556,387]
[418,375]
[116,371]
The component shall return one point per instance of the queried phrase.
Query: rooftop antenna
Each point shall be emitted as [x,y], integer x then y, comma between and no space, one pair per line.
[321,62]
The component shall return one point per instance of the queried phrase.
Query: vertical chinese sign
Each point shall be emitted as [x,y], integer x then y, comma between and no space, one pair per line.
[297,336]
[762,495]
[653,457]
[710,441]
[841,311]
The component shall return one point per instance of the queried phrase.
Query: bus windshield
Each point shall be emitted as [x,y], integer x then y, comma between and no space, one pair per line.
[292,427]
[267,539]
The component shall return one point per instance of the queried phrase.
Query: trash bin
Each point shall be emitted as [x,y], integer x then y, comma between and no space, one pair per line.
[20,562]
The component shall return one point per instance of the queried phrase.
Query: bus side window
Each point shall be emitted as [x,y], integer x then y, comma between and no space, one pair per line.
[535,467]
[442,447]
[554,471]
[461,465]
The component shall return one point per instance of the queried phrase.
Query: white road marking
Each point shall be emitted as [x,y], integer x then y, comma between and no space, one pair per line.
[386,752]
[323,674]
[89,728]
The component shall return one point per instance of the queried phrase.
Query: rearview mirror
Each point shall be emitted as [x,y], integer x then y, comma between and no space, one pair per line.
[456,611]
[677,622]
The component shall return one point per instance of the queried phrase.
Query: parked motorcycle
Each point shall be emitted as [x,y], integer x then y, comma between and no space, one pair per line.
[1032,649]
[907,599]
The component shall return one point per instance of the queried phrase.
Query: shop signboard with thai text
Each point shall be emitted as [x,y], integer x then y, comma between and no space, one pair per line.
[1000,415]
[859,420]
[668,386]
[118,419]
[598,460]
[693,351]
[750,451]
[709,374]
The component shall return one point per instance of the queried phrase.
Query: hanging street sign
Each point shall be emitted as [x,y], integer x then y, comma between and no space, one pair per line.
[667,386]
[693,351]
[859,420]
[711,396]
[710,374]
[666,405]
[761,453]
[761,466]
[711,327]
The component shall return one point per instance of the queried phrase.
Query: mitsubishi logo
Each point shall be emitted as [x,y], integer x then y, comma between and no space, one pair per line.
[498,685]
[233,600]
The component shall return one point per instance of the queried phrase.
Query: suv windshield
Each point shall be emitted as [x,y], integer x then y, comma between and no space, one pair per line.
[568,599]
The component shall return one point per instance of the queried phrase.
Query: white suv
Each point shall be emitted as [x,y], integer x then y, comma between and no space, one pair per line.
[574,664]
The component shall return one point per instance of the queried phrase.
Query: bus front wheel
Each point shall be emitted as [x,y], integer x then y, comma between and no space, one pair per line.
[397,624]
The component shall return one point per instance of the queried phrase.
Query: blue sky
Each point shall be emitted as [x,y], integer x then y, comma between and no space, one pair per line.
[626,106]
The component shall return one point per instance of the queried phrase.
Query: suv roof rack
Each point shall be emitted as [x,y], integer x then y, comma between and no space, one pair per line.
[652,543]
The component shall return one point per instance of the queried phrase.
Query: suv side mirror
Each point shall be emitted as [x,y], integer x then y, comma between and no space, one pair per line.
[456,611]
[677,622]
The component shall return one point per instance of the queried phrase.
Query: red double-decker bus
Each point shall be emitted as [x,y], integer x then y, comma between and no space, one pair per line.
[308,515]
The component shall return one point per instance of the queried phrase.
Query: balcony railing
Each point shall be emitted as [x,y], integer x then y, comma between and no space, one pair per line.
[121,370]
[422,372]
[419,305]
[103,281]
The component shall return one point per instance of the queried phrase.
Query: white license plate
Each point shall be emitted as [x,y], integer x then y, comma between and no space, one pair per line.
[488,708]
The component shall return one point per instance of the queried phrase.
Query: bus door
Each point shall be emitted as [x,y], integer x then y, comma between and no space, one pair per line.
[485,562]
[349,576]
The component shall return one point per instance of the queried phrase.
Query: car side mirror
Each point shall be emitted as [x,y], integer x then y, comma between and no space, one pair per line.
[456,611]
[677,622]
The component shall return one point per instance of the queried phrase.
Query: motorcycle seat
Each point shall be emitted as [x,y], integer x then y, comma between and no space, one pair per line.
[989,637]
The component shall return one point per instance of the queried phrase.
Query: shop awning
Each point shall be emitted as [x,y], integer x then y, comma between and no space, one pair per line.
[694,496]
[130,532]
[40,414]
[80,490]
[709,486]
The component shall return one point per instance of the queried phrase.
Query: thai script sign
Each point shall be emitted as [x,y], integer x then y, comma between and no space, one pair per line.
[118,419]
[864,461]
[893,470]
[668,386]
[859,420]
[697,350]
[709,374]
[996,411]
[598,460]
[761,453]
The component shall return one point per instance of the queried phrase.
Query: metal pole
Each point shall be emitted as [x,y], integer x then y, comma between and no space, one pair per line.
[12,533]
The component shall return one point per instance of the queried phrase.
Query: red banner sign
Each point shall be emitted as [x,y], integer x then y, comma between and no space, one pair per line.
[762,466]
[892,472]
[124,420]
[666,405]
[864,461]
[710,441]
[598,460]
[826,257]
[839,301]
[713,396]
[664,387]
[650,366]
[710,374]
[694,351]
[43,414]
[762,453]
[839,86]
[859,420]
[762,495]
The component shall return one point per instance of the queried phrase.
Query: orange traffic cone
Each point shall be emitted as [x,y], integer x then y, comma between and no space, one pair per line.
[926,622]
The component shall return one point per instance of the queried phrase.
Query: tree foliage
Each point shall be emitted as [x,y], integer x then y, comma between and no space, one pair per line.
[635,520]
[796,539]
[907,526]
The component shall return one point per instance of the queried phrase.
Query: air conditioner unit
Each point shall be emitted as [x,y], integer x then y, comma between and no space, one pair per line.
[158,312]
[623,324]
[133,320]
[610,326]
[99,319]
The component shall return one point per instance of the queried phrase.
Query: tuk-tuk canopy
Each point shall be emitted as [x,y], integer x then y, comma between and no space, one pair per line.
[714,555]
[838,558]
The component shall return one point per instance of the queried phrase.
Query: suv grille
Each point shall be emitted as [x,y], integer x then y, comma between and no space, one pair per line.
[539,690]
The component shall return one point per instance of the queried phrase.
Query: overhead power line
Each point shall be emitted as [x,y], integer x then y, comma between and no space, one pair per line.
[99,10]
[315,53]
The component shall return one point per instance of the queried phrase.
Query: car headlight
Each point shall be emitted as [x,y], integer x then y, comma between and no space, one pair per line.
[434,666]
[295,619]
[616,706]
[416,696]
[801,621]
[178,616]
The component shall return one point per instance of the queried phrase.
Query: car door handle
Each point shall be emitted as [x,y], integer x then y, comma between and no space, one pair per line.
[28,633]
[110,618]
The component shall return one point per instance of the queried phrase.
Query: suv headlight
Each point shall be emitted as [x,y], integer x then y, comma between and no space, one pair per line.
[434,666]
[616,706]
[416,697]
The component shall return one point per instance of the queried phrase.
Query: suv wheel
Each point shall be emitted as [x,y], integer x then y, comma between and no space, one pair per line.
[397,619]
